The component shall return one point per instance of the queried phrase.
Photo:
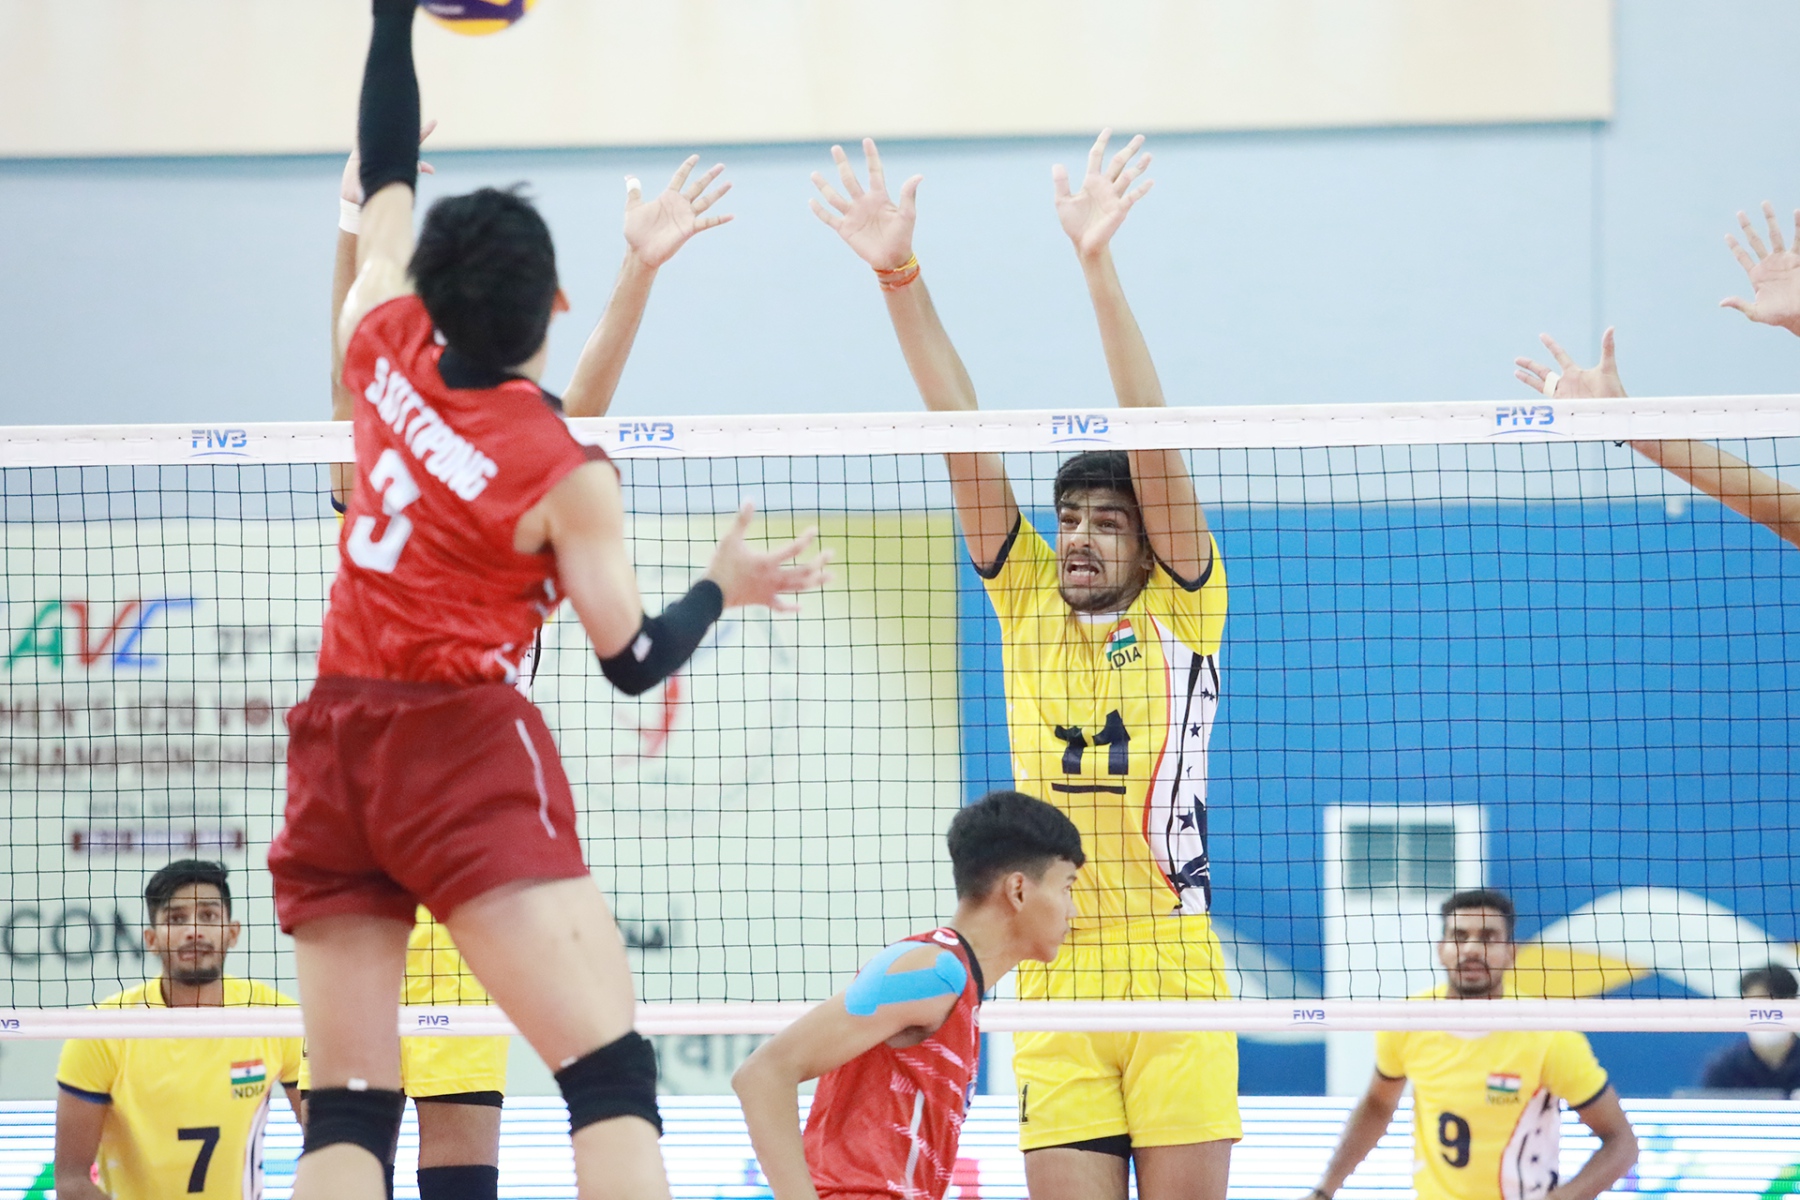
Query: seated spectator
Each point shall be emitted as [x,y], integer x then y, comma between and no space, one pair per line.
[1766,1059]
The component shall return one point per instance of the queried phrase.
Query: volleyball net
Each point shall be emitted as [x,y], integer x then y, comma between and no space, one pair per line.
[1467,645]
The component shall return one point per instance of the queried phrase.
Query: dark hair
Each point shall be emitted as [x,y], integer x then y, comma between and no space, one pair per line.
[1482,898]
[1774,979]
[486,270]
[165,883]
[1007,831]
[1095,469]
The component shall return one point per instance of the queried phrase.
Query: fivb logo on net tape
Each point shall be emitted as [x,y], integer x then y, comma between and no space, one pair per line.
[1525,418]
[1091,429]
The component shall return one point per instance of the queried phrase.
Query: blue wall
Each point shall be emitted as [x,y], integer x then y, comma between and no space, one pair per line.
[1365,265]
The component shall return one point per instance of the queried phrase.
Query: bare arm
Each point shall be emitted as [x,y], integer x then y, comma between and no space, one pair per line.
[654,231]
[1368,1122]
[880,231]
[383,248]
[297,1102]
[1618,1149]
[602,362]
[343,273]
[79,1124]
[824,1039]
[1173,519]
[1732,482]
[582,519]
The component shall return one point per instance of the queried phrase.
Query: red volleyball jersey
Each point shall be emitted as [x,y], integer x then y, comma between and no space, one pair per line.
[887,1122]
[429,587]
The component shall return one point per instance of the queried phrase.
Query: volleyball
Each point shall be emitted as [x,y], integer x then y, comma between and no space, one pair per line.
[476,18]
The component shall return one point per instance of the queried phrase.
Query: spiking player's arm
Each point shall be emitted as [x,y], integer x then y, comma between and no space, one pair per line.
[654,231]
[1173,520]
[387,138]
[1618,1149]
[1744,489]
[826,1038]
[79,1124]
[582,520]
[880,231]
[1367,1122]
[343,274]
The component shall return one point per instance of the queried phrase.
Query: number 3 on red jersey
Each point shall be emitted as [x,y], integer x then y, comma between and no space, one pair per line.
[394,483]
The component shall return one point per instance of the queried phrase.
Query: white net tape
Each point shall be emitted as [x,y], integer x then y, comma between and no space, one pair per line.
[1637,869]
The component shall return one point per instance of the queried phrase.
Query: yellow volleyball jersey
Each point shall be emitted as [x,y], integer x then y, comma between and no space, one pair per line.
[437,975]
[1109,718]
[185,1115]
[1487,1108]
[435,970]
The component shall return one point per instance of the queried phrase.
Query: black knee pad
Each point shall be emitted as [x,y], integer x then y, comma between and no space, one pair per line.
[617,1080]
[366,1117]
[459,1183]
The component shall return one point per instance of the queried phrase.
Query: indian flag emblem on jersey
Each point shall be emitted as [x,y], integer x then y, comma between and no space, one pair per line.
[1503,1089]
[245,1073]
[1121,646]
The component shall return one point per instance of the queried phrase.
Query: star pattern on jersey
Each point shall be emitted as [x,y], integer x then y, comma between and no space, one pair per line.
[1194,873]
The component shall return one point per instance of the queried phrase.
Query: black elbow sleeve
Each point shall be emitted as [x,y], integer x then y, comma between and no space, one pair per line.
[387,123]
[664,644]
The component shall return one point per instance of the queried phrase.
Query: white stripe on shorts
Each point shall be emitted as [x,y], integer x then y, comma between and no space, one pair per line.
[537,775]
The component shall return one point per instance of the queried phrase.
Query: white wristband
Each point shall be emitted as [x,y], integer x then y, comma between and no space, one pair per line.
[349,217]
[1550,382]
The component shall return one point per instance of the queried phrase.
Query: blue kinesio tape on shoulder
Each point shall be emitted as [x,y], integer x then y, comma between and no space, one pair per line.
[874,987]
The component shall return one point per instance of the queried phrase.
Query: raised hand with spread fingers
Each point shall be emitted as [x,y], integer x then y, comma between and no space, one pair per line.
[879,228]
[874,224]
[1568,381]
[655,229]
[1092,215]
[1774,271]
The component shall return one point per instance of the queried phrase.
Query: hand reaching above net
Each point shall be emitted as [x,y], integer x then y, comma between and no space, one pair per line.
[872,223]
[1572,382]
[655,229]
[1092,215]
[1774,272]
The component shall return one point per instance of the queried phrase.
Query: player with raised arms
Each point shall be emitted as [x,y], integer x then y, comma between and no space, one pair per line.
[1487,1108]
[895,1053]
[417,772]
[458,1084]
[1110,644]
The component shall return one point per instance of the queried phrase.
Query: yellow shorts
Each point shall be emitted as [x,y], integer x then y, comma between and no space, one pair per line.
[1163,1089]
[436,974]
[447,1066]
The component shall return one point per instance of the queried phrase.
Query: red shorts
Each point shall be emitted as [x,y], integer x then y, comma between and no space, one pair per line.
[402,794]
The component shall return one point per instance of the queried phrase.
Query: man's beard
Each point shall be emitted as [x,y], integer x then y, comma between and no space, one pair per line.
[1113,599]
[1487,988]
[197,976]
